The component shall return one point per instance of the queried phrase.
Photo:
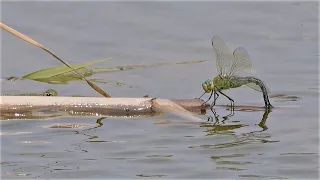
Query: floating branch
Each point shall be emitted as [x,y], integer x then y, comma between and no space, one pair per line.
[101,106]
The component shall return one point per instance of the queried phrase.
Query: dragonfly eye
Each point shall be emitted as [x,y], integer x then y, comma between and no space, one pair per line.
[208,81]
[208,86]
[204,87]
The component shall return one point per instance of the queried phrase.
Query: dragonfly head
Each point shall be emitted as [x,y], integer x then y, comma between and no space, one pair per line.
[208,86]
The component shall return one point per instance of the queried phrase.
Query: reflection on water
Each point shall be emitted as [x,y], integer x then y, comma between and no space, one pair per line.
[237,161]
[284,97]
[259,176]
[217,127]
[45,113]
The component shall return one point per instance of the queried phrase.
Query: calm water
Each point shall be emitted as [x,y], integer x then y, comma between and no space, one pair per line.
[281,38]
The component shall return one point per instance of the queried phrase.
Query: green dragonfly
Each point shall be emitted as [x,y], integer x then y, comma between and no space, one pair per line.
[48,92]
[230,67]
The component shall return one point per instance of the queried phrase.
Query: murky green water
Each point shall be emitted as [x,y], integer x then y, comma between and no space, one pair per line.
[281,39]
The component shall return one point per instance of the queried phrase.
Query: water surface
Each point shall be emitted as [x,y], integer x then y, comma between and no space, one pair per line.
[281,38]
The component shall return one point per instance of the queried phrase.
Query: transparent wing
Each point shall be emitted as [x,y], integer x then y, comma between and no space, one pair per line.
[241,62]
[257,87]
[224,58]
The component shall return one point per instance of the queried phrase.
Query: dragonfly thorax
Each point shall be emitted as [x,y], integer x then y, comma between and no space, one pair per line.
[223,83]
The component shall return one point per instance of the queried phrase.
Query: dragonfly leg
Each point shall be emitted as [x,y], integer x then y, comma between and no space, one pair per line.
[229,115]
[214,113]
[208,99]
[202,95]
[216,117]
[216,95]
[231,100]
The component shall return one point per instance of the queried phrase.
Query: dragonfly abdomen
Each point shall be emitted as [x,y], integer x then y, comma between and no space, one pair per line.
[260,83]
[249,79]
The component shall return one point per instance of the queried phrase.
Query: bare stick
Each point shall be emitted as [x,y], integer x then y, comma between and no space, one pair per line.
[99,105]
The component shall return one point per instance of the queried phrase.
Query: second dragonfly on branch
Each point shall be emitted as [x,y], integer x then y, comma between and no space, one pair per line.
[230,67]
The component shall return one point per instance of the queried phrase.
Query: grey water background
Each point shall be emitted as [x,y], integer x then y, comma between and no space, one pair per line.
[281,38]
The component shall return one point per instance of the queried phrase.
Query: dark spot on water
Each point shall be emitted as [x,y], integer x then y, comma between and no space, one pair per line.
[229,168]
[97,141]
[145,175]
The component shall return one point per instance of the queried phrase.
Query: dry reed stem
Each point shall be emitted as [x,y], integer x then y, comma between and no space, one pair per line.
[29,40]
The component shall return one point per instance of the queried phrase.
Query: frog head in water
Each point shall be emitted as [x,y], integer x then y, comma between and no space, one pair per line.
[50,92]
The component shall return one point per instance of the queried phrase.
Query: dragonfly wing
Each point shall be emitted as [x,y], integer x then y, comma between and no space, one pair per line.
[224,57]
[257,87]
[241,62]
